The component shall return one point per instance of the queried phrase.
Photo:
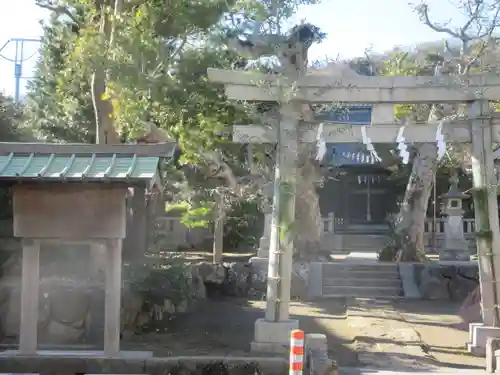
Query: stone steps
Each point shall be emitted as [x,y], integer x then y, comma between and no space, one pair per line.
[355,282]
[363,242]
[361,278]
[363,291]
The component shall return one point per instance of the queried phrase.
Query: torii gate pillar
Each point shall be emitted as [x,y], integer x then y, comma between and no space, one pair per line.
[487,224]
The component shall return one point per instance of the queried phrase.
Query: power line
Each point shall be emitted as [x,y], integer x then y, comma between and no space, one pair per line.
[18,59]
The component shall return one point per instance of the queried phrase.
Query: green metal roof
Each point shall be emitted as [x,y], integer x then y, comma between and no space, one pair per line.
[78,167]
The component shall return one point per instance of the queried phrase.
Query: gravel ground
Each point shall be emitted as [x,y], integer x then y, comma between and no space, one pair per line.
[413,335]
[434,321]
[225,327]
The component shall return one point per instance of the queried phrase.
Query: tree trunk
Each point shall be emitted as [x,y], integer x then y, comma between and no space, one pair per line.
[411,219]
[307,209]
[105,126]
[413,211]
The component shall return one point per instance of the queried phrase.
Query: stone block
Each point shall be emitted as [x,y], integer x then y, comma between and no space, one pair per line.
[492,349]
[273,337]
[259,263]
[480,334]
[315,282]
[299,282]
[239,279]
[446,280]
[458,254]
[316,361]
[407,275]
[263,250]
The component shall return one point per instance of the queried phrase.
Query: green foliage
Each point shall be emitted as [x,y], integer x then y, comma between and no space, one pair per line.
[57,112]
[243,225]
[172,280]
[405,64]
[11,129]
[192,217]
[155,54]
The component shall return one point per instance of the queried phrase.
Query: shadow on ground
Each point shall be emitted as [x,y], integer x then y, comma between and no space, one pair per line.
[435,322]
[226,327]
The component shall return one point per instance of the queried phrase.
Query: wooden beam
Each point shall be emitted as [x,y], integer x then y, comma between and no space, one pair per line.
[324,89]
[113,298]
[378,133]
[30,284]
[157,149]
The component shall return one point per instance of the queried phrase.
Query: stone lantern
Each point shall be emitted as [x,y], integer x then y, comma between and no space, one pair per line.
[455,245]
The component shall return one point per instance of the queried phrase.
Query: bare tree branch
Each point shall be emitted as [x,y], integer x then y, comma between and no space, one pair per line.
[473,15]
[59,9]
[423,12]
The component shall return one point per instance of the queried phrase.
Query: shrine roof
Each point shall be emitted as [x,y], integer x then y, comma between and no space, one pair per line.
[90,163]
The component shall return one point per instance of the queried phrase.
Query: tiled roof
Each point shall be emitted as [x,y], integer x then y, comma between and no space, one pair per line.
[78,167]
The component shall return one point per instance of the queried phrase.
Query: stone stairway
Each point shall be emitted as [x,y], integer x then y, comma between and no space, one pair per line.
[363,242]
[361,278]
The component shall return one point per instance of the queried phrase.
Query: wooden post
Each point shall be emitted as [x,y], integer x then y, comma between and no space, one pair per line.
[29,296]
[139,220]
[486,211]
[218,228]
[113,298]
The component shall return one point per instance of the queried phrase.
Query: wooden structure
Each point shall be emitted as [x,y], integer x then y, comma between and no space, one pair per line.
[74,193]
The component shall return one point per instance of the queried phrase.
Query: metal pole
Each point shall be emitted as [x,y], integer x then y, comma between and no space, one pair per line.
[18,60]
[18,66]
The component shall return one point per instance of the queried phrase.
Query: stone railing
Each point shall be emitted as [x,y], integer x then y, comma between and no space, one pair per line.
[173,234]
[330,222]
[433,239]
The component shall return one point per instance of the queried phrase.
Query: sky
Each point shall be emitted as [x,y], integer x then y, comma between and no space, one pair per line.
[352,26]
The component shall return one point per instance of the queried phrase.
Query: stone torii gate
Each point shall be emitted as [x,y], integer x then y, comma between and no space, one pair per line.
[383,92]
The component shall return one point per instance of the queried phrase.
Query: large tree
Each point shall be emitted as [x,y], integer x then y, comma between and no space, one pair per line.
[114,71]
[467,47]
[55,111]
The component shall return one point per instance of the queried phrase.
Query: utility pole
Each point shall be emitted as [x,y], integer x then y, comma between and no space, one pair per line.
[18,60]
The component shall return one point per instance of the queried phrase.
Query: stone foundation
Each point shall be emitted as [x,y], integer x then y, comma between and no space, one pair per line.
[446,280]
[71,311]
[86,364]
